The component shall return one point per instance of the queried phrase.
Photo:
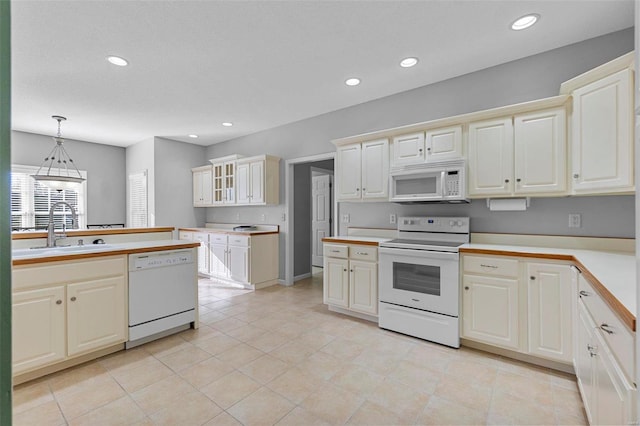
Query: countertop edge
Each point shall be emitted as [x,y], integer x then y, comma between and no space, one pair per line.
[226,231]
[76,256]
[88,232]
[618,308]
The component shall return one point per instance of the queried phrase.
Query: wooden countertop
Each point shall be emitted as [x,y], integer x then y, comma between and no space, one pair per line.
[613,275]
[90,232]
[109,250]
[228,231]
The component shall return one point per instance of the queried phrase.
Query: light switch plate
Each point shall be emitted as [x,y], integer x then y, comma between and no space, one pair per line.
[575,220]
[345,218]
[392,218]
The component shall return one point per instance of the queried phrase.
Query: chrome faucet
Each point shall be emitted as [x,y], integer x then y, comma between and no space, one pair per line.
[51,235]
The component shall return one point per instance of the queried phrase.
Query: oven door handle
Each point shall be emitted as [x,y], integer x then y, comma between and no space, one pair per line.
[426,254]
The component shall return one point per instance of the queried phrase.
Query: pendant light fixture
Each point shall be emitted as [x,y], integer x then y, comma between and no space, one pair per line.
[56,168]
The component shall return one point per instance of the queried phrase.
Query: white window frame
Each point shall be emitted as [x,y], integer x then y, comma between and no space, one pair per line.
[28,194]
[138,209]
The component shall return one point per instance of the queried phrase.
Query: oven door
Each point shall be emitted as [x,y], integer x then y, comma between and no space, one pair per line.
[420,279]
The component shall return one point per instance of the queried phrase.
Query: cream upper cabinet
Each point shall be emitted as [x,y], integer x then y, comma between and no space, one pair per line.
[443,144]
[408,149]
[602,135]
[258,180]
[202,186]
[549,299]
[490,160]
[520,155]
[540,152]
[224,187]
[362,171]
[95,314]
[38,323]
[349,166]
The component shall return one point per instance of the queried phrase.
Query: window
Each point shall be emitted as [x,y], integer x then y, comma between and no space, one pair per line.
[138,200]
[31,201]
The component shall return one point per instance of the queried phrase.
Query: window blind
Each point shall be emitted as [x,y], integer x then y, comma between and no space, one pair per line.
[138,217]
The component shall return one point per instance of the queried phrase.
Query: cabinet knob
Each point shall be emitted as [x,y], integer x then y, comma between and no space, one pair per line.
[584,293]
[351,270]
[518,180]
[420,150]
[364,189]
[576,175]
[58,302]
[532,278]
[428,149]
[345,269]
[357,189]
[506,181]
[466,287]
[73,298]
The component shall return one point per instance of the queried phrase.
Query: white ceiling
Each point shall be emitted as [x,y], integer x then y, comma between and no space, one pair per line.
[258,64]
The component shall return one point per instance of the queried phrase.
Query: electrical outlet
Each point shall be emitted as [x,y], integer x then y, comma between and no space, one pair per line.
[283,217]
[263,217]
[392,218]
[575,220]
[345,218]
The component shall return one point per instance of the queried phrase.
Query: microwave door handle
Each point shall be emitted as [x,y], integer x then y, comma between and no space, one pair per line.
[443,184]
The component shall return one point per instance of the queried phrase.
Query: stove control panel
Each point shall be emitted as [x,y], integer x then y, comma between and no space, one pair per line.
[434,224]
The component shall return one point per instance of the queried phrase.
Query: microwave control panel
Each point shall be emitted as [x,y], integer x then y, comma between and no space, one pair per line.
[453,184]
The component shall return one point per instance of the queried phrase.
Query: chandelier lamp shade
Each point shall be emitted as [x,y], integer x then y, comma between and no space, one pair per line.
[58,171]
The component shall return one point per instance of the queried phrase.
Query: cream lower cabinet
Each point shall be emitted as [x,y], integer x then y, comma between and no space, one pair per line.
[518,305]
[604,361]
[66,309]
[204,258]
[350,282]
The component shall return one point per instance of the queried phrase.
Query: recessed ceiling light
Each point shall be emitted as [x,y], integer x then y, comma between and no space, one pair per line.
[525,21]
[193,136]
[117,60]
[408,62]
[352,81]
[227,124]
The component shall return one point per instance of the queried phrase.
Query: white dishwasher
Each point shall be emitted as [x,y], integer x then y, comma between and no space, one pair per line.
[162,294]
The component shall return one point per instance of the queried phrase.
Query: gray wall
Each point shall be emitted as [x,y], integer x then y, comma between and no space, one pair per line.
[526,79]
[105,166]
[173,183]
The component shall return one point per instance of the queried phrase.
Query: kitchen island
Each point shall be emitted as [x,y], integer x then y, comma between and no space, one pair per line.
[72,304]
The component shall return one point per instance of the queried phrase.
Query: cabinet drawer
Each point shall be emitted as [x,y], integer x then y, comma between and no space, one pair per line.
[491,265]
[239,240]
[201,236]
[218,238]
[618,337]
[363,253]
[335,250]
[186,235]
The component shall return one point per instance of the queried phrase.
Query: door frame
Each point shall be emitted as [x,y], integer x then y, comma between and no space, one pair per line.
[331,175]
[288,179]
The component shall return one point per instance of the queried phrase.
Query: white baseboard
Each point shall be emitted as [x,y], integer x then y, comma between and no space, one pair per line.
[301,277]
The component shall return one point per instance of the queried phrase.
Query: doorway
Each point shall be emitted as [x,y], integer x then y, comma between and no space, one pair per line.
[299,244]
[321,220]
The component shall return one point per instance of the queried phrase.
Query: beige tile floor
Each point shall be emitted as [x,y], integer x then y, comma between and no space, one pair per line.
[278,356]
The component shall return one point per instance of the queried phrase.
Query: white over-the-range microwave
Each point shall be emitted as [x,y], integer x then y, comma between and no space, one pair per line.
[430,182]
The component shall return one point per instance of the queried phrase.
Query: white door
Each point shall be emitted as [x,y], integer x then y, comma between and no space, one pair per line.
[540,152]
[375,169]
[218,263]
[491,157]
[203,251]
[408,149]
[550,298]
[197,189]
[602,131]
[229,196]
[243,182]
[218,183]
[320,215]
[584,361]
[348,175]
[444,144]
[207,187]
[490,310]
